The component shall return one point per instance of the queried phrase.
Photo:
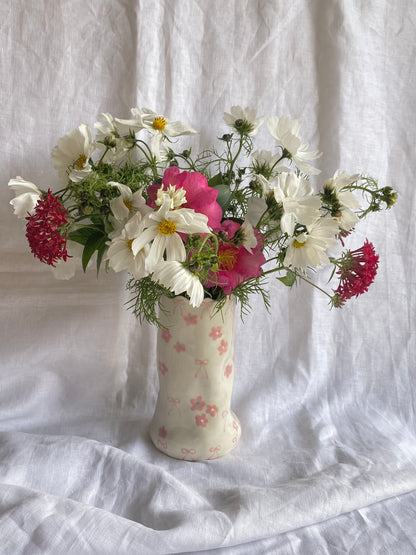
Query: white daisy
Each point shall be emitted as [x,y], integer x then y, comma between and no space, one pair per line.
[72,153]
[286,132]
[346,217]
[244,121]
[113,135]
[309,248]
[120,254]
[162,228]
[178,279]
[300,205]
[161,128]
[127,203]
[27,196]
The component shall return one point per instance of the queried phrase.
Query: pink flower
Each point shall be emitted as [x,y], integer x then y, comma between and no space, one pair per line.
[215,333]
[212,410]
[162,368]
[162,432]
[197,404]
[190,319]
[199,195]
[166,335]
[179,347]
[228,370]
[42,230]
[236,264]
[201,420]
[223,347]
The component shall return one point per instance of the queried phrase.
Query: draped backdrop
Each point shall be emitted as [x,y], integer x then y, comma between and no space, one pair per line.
[326,398]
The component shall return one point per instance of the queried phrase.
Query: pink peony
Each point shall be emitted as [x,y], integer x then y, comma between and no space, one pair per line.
[236,263]
[199,195]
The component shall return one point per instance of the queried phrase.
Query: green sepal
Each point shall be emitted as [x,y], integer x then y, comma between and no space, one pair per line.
[289,279]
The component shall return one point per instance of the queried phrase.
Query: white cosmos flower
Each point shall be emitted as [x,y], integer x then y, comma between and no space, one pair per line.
[120,254]
[178,279]
[286,132]
[114,135]
[255,210]
[135,124]
[162,228]
[72,153]
[27,196]
[243,120]
[249,241]
[309,248]
[160,127]
[300,205]
[127,203]
[264,163]
[347,218]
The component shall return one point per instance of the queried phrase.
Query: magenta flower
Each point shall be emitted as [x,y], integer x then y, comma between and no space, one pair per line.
[199,195]
[236,263]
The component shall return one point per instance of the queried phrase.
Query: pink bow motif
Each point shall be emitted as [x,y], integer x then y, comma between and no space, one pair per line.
[186,452]
[202,367]
[163,444]
[214,451]
[174,402]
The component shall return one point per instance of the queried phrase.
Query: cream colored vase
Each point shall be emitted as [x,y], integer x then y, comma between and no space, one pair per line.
[193,419]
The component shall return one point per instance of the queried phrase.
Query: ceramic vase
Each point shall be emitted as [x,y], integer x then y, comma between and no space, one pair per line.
[193,419]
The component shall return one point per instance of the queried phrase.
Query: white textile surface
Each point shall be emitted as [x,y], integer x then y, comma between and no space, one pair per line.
[326,398]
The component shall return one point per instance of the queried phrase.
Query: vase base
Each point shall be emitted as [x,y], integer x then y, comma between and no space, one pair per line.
[197,445]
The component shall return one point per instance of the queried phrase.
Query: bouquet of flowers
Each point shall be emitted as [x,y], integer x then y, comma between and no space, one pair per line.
[209,225]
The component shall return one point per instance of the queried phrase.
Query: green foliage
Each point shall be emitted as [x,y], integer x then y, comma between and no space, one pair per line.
[147,299]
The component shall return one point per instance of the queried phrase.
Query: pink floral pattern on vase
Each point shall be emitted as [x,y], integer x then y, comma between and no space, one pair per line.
[190,319]
[162,368]
[223,347]
[215,333]
[179,347]
[201,420]
[195,361]
[197,404]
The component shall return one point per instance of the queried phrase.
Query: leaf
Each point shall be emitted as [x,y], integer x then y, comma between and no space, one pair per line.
[82,234]
[216,180]
[100,254]
[224,195]
[289,279]
[94,243]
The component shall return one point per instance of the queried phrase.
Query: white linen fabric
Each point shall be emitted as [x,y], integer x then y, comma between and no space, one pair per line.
[326,398]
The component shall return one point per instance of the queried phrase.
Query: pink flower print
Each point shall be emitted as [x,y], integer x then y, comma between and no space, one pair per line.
[166,335]
[223,347]
[212,410]
[228,370]
[179,347]
[215,333]
[162,368]
[197,404]
[162,432]
[201,420]
[190,319]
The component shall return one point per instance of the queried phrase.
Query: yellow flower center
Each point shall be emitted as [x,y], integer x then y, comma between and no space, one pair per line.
[129,243]
[167,228]
[298,244]
[80,161]
[159,123]
[129,205]
[227,258]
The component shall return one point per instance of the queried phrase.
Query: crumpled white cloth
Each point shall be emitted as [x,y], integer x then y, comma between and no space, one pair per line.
[326,463]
